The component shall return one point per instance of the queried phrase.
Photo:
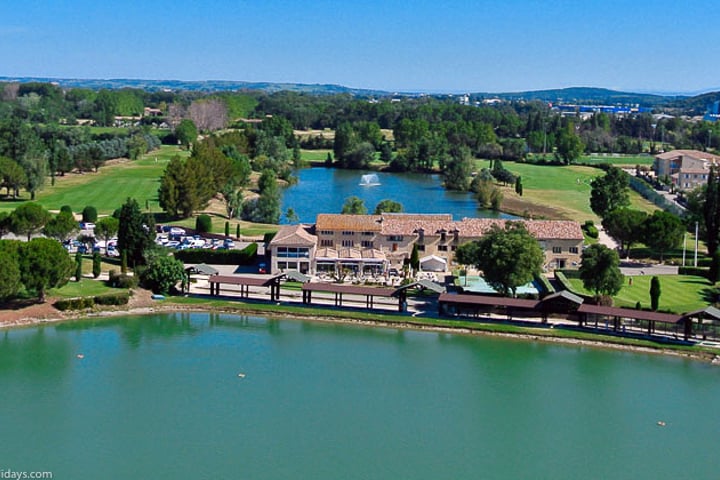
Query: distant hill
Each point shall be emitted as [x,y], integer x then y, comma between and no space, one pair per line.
[578,95]
[586,95]
[200,86]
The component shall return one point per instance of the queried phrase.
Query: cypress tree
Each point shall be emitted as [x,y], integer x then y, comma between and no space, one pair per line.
[78,266]
[96,265]
[654,293]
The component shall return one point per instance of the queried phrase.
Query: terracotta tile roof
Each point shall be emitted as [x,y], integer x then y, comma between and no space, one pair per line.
[477,227]
[355,223]
[688,153]
[293,235]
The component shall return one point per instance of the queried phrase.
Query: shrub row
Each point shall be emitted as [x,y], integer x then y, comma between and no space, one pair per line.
[545,284]
[119,298]
[698,271]
[83,303]
[649,193]
[245,256]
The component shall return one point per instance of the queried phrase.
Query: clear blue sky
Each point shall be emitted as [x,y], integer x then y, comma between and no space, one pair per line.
[420,45]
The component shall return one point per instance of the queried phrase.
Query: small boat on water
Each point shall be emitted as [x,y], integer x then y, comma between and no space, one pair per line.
[661,423]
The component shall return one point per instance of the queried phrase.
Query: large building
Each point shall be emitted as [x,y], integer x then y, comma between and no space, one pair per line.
[687,169]
[373,244]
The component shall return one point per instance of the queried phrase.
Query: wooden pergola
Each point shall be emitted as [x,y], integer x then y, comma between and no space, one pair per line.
[588,312]
[339,290]
[245,283]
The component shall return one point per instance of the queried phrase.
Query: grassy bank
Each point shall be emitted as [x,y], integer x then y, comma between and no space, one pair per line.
[556,192]
[680,293]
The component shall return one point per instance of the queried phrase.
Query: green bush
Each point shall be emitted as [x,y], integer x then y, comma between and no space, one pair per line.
[81,303]
[122,280]
[246,256]
[697,271]
[120,298]
[592,231]
[66,209]
[203,223]
[89,214]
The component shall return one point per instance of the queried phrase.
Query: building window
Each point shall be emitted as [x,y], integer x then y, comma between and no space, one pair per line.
[326,232]
[421,248]
[282,265]
[293,252]
[395,238]
[453,248]
[557,250]
[442,248]
[573,249]
[347,232]
[367,244]
[443,236]
[326,243]
[347,243]
[367,234]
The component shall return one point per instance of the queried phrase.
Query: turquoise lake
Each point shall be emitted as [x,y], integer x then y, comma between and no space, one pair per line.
[160,397]
[324,190]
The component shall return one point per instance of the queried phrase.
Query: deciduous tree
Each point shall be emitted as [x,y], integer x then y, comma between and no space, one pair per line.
[29,219]
[508,257]
[663,231]
[354,206]
[388,206]
[625,226]
[609,192]
[44,264]
[600,270]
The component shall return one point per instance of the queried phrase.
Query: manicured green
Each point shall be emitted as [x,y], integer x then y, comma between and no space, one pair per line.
[84,288]
[564,189]
[680,293]
[314,155]
[107,189]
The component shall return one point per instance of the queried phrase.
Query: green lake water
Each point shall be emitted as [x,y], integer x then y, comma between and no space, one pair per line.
[158,397]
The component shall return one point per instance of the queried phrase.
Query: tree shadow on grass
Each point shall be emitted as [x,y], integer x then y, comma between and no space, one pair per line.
[709,294]
[19,303]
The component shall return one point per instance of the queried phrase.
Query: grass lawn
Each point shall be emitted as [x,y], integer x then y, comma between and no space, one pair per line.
[315,155]
[680,293]
[107,189]
[556,192]
[84,288]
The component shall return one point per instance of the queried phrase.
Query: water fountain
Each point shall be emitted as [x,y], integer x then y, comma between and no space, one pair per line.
[369,180]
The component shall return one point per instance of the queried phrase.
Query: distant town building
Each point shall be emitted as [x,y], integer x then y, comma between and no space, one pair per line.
[687,169]
[372,244]
[713,112]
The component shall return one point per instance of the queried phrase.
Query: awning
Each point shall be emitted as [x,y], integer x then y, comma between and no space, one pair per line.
[433,263]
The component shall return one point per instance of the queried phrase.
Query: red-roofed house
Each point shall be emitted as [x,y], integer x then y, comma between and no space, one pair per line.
[372,243]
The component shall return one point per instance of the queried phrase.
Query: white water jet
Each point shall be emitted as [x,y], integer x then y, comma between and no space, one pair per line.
[369,180]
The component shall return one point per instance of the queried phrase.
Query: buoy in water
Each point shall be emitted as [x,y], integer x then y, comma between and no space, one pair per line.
[241,375]
[661,423]
[80,356]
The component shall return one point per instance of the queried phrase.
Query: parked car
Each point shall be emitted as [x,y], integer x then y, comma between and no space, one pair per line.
[177,231]
[228,243]
[87,226]
[113,252]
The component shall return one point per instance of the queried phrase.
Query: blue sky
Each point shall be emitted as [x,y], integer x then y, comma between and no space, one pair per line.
[434,46]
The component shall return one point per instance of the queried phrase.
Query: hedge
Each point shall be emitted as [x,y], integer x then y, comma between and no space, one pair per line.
[545,284]
[81,303]
[84,303]
[246,256]
[698,271]
[119,298]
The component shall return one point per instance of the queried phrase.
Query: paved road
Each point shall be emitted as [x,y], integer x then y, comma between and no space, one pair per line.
[638,268]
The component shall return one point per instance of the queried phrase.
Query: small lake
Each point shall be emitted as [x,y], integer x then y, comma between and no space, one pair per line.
[324,190]
[160,397]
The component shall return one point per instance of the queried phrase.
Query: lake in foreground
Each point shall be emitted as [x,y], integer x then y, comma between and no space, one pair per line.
[218,396]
